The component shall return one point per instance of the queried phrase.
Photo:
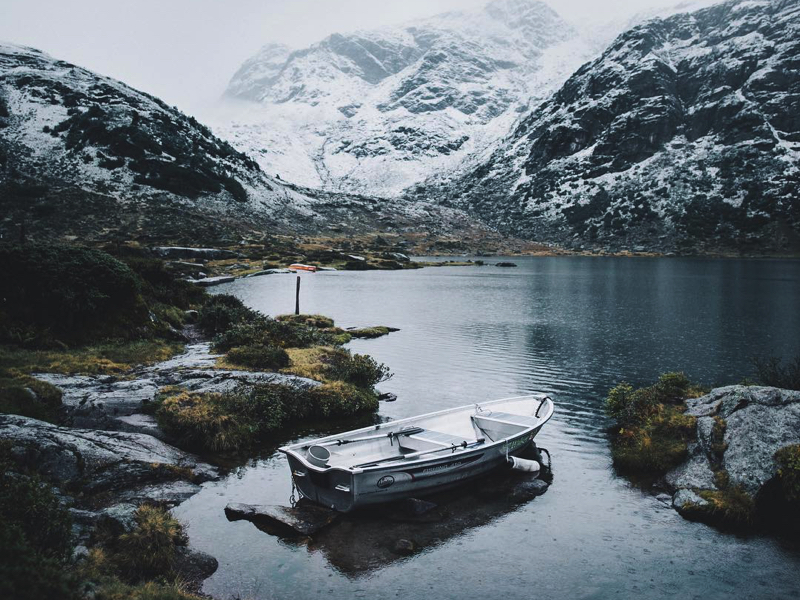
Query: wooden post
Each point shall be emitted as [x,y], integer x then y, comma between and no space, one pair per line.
[297,298]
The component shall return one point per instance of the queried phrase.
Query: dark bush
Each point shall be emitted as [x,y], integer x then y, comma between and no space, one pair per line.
[771,371]
[35,537]
[222,311]
[75,293]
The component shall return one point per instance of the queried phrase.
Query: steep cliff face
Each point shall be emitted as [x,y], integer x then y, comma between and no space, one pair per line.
[685,132]
[376,111]
[87,156]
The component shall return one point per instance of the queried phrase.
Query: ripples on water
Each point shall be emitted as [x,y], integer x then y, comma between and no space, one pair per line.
[572,327]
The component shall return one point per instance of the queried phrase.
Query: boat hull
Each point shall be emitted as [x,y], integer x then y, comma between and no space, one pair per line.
[344,490]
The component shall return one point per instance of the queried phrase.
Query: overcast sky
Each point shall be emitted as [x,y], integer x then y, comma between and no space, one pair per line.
[185,51]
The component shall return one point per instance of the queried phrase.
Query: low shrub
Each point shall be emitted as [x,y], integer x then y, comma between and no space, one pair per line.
[259,357]
[772,372]
[651,432]
[148,551]
[358,369]
[29,397]
[251,414]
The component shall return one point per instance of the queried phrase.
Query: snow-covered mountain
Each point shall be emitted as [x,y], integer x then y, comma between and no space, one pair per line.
[86,155]
[377,111]
[684,133]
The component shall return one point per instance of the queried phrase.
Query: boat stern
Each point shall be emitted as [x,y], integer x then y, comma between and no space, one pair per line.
[330,487]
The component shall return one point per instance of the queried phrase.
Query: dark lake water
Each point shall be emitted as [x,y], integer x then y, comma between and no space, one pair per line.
[572,327]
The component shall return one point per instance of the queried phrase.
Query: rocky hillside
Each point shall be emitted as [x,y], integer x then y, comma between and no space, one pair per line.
[87,156]
[376,111]
[683,135]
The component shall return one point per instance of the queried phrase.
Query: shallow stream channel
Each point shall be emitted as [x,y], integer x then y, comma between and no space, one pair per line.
[569,326]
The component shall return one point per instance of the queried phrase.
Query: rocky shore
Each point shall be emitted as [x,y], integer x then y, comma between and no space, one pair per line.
[728,457]
[739,433]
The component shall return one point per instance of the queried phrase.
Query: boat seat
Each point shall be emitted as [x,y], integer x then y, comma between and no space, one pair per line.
[508,418]
[437,437]
[425,440]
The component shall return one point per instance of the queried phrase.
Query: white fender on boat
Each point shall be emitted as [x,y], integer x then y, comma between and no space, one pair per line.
[523,464]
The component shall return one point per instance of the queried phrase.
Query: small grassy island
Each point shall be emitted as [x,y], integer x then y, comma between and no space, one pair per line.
[723,454]
[102,321]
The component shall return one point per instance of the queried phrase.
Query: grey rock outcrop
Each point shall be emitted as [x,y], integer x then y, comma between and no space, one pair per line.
[758,422]
[97,460]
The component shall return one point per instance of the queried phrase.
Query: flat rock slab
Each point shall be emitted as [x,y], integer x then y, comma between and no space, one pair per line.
[106,459]
[212,281]
[301,520]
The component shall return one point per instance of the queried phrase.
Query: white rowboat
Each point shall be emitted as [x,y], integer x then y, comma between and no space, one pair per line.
[417,455]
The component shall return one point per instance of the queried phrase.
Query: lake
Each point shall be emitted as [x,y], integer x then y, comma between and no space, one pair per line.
[569,326]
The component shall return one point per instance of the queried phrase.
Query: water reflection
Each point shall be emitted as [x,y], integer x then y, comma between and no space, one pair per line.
[572,327]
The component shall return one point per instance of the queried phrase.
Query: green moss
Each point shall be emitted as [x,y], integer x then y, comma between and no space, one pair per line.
[730,505]
[371,332]
[651,432]
[29,397]
[107,358]
[316,321]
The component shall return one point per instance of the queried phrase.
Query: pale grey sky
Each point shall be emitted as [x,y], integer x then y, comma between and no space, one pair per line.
[184,51]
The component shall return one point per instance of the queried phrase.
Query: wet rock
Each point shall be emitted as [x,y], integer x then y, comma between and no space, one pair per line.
[304,519]
[119,518]
[168,493]
[191,316]
[528,488]
[404,547]
[505,264]
[222,381]
[98,460]
[194,566]
[387,397]
[212,281]
[96,401]
[195,356]
[686,499]
[140,423]
[663,497]
[696,472]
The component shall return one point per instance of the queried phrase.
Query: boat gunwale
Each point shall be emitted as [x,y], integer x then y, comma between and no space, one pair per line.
[290,450]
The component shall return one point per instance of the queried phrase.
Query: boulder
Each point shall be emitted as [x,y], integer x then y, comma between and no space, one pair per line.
[97,460]
[686,499]
[405,547]
[193,566]
[759,421]
[304,519]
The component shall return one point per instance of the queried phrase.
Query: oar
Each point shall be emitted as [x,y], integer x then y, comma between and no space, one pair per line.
[464,445]
[409,431]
